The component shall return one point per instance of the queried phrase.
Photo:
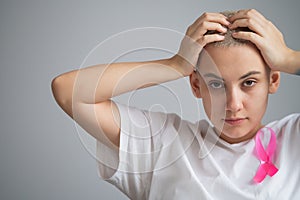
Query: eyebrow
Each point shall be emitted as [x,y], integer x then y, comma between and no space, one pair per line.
[249,74]
[212,75]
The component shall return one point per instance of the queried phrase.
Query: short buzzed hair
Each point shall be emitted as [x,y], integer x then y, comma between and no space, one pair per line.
[229,40]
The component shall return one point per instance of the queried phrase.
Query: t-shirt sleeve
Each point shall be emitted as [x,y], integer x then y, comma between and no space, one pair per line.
[130,168]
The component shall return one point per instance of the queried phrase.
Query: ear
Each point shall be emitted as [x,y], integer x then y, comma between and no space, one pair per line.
[274,81]
[195,84]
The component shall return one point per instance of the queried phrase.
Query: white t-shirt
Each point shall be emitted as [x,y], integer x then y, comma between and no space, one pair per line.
[162,156]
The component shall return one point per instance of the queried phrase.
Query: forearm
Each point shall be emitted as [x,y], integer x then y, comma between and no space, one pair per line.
[99,83]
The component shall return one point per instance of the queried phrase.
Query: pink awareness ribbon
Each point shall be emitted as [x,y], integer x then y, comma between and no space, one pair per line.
[265,156]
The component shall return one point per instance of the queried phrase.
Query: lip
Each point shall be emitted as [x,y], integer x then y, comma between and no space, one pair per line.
[235,121]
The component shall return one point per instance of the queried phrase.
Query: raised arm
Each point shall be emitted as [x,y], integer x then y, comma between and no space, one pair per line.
[85,94]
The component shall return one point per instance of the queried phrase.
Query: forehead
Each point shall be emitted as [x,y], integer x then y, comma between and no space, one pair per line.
[231,60]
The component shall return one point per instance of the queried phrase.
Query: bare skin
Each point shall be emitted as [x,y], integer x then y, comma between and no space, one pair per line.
[234,89]
[90,105]
[268,39]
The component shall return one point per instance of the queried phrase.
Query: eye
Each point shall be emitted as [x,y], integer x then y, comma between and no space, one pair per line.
[249,83]
[216,84]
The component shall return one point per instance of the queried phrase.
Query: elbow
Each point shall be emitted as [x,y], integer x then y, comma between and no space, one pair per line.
[54,83]
[55,88]
[62,93]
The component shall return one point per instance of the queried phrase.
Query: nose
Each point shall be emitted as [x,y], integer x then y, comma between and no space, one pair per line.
[234,101]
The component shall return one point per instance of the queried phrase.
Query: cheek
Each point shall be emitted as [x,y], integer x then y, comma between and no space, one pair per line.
[206,98]
[256,101]
[213,103]
[217,106]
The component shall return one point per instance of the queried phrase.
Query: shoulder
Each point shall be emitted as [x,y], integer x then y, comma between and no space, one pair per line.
[289,120]
[145,119]
[288,126]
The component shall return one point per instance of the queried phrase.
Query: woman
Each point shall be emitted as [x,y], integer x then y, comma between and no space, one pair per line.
[154,155]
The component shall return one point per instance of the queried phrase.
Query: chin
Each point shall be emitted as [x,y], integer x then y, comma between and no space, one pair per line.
[237,134]
[233,134]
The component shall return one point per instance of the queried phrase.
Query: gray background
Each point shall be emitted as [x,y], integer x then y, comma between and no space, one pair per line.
[41,155]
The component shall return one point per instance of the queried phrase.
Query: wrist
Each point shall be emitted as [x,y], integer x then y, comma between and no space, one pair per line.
[181,65]
[292,63]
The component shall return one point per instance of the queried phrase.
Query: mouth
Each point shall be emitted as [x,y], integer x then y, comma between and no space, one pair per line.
[235,121]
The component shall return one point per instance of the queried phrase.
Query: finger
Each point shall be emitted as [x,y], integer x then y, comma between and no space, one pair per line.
[210,17]
[208,26]
[249,13]
[210,38]
[251,23]
[250,36]
[253,18]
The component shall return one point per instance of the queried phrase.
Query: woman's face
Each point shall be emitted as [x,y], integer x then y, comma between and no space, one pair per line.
[234,83]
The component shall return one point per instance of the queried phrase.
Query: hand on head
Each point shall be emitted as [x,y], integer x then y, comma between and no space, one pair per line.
[267,38]
[196,38]
[260,31]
